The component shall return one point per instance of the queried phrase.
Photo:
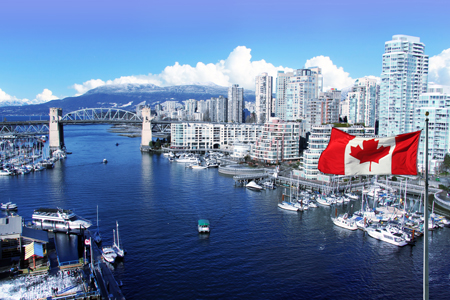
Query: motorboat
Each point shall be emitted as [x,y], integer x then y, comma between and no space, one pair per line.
[344,222]
[254,186]
[323,201]
[58,219]
[198,167]
[352,196]
[287,206]
[9,206]
[109,254]
[384,235]
[105,161]
[5,172]
[203,226]
[269,185]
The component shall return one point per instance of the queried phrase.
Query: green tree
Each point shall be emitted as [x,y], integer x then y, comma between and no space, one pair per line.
[446,163]
[158,143]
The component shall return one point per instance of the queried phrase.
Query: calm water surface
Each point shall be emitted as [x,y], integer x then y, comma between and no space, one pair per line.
[254,251]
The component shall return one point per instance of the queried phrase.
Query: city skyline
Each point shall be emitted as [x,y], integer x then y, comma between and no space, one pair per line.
[54,49]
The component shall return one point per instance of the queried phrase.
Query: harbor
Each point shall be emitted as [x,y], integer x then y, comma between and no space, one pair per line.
[158,203]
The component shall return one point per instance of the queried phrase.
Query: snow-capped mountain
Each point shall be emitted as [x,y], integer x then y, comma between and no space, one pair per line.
[127,96]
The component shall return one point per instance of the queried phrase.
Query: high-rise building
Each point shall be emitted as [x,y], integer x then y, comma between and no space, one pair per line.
[325,109]
[279,141]
[404,77]
[295,90]
[263,94]
[235,104]
[362,102]
[437,103]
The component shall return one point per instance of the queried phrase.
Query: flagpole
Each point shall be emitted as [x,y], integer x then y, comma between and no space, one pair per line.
[425,212]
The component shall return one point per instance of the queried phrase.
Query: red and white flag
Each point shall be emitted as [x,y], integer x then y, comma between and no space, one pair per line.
[347,154]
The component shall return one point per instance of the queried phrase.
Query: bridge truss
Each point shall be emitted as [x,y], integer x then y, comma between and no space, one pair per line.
[102,115]
[23,129]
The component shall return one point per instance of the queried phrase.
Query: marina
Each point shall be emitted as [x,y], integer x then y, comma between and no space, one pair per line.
[157,203]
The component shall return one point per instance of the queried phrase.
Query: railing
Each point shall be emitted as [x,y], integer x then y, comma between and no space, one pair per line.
[67,263]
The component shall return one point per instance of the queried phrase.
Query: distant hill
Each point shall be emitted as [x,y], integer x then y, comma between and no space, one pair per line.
[126,96]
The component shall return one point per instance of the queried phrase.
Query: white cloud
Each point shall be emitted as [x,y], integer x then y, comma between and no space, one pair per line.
[43,97]
[333,76]
[439,69]
[238,68]
[7,100]
[87,85]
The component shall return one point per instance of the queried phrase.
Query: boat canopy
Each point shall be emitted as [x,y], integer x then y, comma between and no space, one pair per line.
[203,222]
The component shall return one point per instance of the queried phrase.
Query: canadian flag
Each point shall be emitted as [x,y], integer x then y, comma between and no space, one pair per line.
[347,154]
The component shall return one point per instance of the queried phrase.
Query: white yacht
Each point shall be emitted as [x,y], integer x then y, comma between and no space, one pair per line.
[254,186]
[344,222]
[58,219]
[287,206]
[384,235]
[5,172]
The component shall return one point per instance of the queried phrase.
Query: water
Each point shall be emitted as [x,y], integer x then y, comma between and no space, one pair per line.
[254,251]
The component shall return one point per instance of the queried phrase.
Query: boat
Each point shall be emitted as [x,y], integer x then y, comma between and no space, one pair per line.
[344,222]
[269,185]
[203,226]
[116,245]
[58,219]
[97,237]
[9,206]
[105,161]
[198,167]
[384,235]
[109,254]
[5,172]
[352,196]
[287,206]
[254,186]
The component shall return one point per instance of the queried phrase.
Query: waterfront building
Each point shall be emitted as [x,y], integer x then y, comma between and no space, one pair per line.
[295,91]
[437,103]
[213,135]
[263,96]
[235,104]
[318,141]
[240,150]
[279,141]
[14,237]
[404,77]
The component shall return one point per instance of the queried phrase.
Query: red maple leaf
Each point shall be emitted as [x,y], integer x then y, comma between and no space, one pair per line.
[369,153]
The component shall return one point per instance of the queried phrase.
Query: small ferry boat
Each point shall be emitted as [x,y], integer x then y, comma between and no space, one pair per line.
[58,219]
[203,226]
[9,206]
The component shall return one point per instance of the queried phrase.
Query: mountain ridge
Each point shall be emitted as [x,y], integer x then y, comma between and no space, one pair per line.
[125,96]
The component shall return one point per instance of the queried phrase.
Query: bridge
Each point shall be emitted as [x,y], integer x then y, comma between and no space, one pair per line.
[55,126]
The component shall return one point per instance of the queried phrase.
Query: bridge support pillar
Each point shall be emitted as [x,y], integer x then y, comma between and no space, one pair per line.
[55,130]
[146,128]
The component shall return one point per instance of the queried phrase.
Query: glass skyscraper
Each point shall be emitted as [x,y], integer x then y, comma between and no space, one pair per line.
[404,77]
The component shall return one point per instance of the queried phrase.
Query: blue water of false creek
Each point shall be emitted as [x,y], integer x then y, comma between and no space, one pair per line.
[254,250]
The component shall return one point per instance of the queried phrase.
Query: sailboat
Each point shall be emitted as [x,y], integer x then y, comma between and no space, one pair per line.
[116,246]
[97,237]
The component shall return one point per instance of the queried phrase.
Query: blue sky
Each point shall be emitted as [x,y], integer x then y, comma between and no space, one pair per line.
[53,49]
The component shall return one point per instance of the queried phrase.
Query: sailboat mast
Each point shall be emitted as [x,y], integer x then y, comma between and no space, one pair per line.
[117,226]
